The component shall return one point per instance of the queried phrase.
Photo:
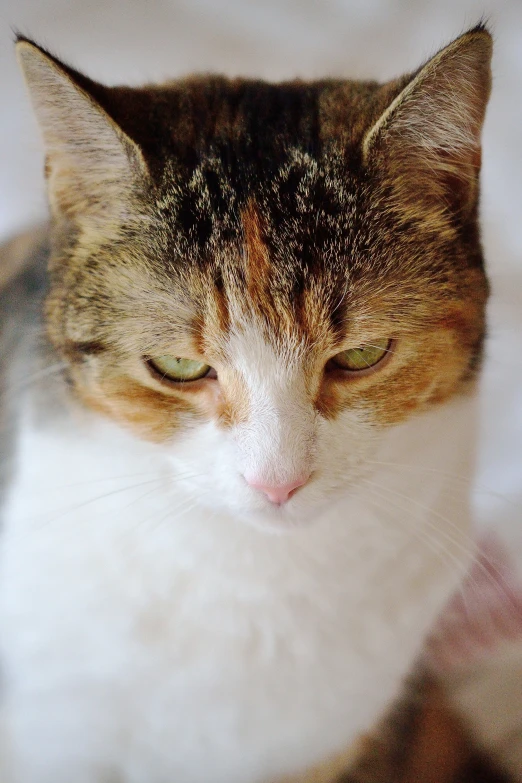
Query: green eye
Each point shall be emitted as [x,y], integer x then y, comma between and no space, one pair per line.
[175,368]
[363,357]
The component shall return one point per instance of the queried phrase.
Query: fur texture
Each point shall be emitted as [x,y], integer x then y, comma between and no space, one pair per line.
[156,630]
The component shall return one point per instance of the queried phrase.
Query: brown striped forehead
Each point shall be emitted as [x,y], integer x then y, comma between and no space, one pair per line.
[280,248]
[308,206]
[258,269]
[311,231]
[300,238]
[288,304]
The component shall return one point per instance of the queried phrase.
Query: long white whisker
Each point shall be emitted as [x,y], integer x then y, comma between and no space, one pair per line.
[178,511]
[379,347]
[440,551]
[167,477]
[375,489]
[495,580]
[100,497]
[465,480]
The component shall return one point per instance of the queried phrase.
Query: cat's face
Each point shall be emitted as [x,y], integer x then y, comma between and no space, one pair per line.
[263,279]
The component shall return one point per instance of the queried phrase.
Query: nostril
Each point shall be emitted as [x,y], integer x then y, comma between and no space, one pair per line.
[279,493]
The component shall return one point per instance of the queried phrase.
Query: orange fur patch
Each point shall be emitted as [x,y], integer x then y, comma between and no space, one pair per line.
[151,414]
[425,371]
[258,268]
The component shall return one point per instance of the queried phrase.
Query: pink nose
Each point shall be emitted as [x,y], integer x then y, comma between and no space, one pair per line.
[281,493]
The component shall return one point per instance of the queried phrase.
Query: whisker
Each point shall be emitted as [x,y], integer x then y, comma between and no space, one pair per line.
[444,554]
[168,477]
[100,497]
[379,347]
[477,487]
[495,580]
[180,510]
[174,513]
[441,549]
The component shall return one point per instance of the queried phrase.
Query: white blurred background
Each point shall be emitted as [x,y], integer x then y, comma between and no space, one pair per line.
[133,41]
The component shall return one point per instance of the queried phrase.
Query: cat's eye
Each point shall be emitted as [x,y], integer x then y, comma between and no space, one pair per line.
[364,357]
[176,368]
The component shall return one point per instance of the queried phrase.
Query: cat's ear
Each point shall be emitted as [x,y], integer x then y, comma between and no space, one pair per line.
[90,162]
[428,138]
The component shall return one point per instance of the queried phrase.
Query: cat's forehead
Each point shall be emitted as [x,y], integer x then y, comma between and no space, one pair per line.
[287,249]
[271,250]
[304,207]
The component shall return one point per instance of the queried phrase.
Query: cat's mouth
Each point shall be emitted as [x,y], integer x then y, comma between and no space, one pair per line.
[299,512]
[278,520]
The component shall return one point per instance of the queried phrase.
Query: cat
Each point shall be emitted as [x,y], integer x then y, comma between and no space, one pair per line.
[262,301]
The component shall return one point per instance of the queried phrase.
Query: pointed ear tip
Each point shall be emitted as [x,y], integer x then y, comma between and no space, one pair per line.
[479,36]
[27,50]
[481,27]
[474,47]
[25,44]
[26,47]
[33,59]
[22,46]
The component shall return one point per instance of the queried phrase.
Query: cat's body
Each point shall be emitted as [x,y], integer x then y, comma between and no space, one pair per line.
[162,618]
[200,650]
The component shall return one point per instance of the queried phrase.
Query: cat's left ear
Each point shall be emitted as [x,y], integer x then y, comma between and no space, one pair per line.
[428,139]
[91,163]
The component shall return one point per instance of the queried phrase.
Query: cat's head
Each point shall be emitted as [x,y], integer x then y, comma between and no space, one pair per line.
[264,278]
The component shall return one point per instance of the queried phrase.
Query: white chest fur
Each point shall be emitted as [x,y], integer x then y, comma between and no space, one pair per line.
[146,640]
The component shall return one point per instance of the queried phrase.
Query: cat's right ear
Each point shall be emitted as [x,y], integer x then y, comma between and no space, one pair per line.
[91,164]
[428,139]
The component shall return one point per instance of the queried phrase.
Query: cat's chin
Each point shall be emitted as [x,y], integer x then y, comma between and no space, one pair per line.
[276,522]
[286,519]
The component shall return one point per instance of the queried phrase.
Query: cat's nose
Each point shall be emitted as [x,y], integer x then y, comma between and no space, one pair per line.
[282,492]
